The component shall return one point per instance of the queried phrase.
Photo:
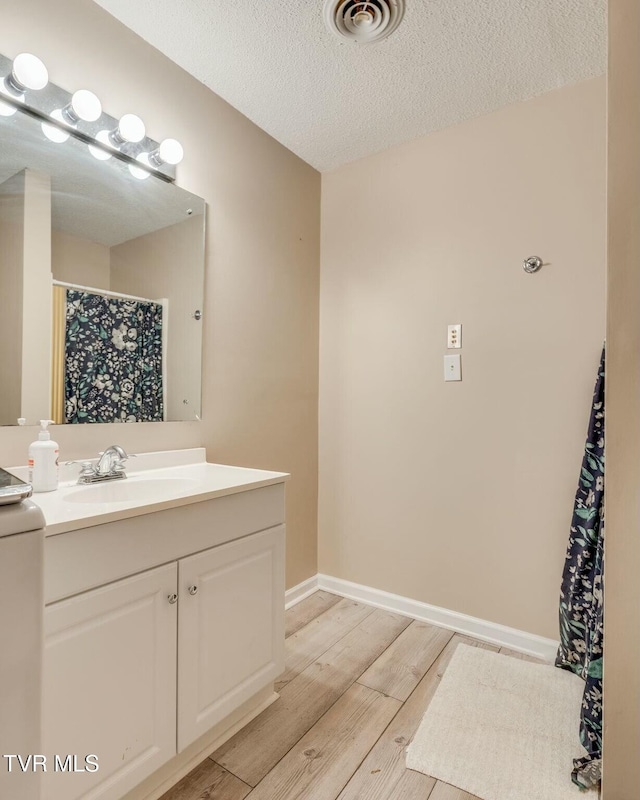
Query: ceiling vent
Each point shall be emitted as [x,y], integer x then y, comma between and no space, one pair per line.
[363,21]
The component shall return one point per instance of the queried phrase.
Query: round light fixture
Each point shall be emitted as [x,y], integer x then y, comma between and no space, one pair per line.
[52,132]
[170,151]
[130,129]
[6,109]
[84,105]
[140,174]
[97,152]
[27,72]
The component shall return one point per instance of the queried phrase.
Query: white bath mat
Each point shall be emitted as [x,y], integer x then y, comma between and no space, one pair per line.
[502,729]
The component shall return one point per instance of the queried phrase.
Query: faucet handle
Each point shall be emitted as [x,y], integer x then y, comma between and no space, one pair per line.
[86,468]
[118,461]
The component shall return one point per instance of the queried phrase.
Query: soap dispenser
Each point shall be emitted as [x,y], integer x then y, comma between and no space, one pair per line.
[43,461]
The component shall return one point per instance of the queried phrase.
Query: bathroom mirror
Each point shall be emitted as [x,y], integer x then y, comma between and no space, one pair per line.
[101,283]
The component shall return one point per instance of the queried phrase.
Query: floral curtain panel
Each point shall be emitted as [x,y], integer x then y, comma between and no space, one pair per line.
[581,595]
[113,359]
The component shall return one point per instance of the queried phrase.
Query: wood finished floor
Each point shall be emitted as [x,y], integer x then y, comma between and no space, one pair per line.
[356,685]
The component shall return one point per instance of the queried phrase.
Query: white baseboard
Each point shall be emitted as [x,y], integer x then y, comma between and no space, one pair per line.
[492,632]
[297,593]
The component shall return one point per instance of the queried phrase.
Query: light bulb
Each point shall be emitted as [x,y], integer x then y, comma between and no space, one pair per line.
[53,133]
[27,72]
[84,105]
[130,129]
[140,174]
[96,152]
[169,152]
[6,109]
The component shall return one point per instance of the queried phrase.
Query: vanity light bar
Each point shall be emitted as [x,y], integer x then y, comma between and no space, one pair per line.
[94,144]
[28,73]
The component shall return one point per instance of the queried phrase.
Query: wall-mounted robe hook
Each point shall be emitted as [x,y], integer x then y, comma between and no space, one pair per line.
[532,264]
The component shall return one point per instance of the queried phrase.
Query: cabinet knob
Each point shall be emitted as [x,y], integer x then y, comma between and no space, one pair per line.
[172,598]
[193,589]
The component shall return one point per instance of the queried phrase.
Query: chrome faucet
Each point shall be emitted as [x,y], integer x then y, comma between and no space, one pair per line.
[111,462]
[109,466]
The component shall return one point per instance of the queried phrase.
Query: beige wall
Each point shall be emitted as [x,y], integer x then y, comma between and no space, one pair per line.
[460,494]
[622,549]
[11,256]
[261,306]
[168,264]
[79,261]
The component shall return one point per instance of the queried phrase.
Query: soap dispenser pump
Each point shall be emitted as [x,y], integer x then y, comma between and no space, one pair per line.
[43,460]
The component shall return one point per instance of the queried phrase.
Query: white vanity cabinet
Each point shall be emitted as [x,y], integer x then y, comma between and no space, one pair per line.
[109,684]
[150,670]
[230,631]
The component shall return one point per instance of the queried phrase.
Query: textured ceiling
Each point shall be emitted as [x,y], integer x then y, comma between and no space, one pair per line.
[332,102]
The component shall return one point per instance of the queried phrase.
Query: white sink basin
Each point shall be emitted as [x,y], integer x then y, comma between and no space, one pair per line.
[127,490]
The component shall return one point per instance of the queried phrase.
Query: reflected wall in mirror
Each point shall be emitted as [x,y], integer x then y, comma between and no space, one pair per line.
[101,279]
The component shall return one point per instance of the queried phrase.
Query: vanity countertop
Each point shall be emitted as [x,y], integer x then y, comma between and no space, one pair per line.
[155,481]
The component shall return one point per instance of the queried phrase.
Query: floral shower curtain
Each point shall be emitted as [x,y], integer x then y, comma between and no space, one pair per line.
[581,595]
[113,359]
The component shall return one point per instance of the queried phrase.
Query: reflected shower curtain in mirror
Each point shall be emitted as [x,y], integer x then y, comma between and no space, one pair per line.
[581,595]
[113,359]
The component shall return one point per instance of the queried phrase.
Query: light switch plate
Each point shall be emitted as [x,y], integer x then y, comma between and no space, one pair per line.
[452,368]
[454,336]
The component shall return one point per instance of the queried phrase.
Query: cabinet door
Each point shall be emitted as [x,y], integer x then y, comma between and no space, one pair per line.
[110,685]
[231,628]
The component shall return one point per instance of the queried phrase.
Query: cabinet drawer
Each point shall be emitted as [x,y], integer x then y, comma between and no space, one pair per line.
[90,557]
